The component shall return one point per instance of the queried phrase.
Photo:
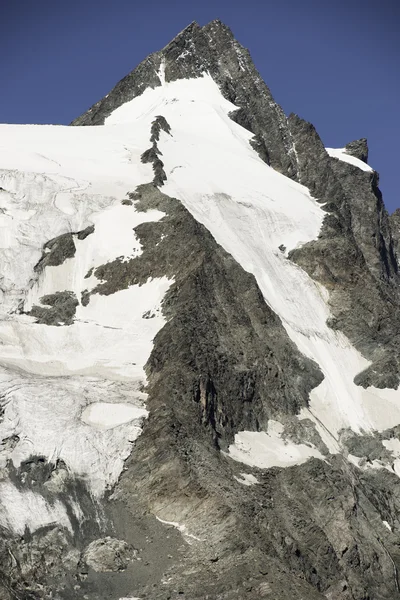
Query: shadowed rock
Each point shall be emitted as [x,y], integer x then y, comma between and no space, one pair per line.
[359,149]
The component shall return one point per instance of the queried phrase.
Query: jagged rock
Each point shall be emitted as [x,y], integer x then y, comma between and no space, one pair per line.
[57,250]
[63,307]
[394,221]
[354,256]
[205,277]
[159,124]
[108,554]
[359,149]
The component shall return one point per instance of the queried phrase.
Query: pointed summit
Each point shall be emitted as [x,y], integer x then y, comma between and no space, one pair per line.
[211,49]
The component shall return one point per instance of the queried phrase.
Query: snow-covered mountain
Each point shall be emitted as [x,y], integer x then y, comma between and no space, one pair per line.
[199,347]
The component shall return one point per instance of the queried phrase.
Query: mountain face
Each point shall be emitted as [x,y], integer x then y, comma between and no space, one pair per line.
[199,347]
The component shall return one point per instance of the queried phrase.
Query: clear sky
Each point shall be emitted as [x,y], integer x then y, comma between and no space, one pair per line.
[335,63]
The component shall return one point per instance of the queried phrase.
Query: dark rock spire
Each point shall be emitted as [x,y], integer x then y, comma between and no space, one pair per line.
[358,148]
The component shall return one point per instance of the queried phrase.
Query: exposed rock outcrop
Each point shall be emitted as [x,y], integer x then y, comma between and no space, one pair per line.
[358,148]
[354,256]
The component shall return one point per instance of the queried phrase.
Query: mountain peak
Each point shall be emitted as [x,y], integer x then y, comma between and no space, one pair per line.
[186,33]
[210,49]
[212,29]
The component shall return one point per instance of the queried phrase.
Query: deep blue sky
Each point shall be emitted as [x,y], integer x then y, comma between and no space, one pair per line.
[335,63]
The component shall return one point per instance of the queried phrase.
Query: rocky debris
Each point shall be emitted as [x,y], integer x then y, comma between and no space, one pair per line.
[312,531]
[9,443]
[62,312]
[368,447]
[303,432]
[359,149]
[108,554]
[152,155]
[34,567]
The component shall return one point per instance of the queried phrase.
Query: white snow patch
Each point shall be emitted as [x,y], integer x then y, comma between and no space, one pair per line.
[247,479]
[341,154]
[181,528]
[355,460]
[393,444]
[20,509]
[265,450]
[104,415]
[386,524]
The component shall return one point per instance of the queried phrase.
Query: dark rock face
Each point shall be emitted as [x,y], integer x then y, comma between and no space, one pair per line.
[57,250]
[359,149]
[226,342]
[354,256]
[394,221]
[152,155]
[63,307]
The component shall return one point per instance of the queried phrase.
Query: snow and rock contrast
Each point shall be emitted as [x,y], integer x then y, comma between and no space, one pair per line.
[199,347]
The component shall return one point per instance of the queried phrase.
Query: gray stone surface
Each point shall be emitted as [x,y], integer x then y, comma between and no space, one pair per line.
[57,250]
[359,149]
[219,326]
[394,220]
[58,309]
[108,554]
